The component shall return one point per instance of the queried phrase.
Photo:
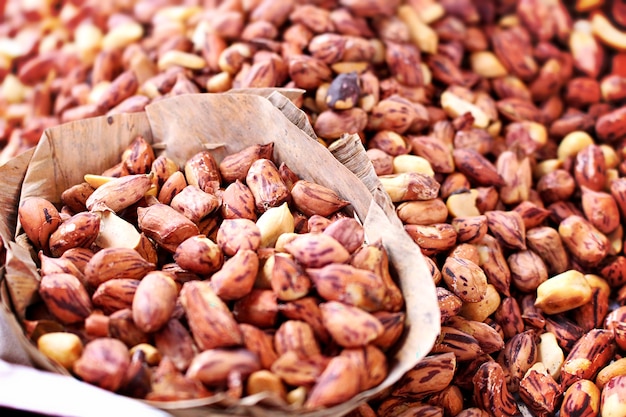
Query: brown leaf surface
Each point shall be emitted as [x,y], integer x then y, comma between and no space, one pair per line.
[225,123]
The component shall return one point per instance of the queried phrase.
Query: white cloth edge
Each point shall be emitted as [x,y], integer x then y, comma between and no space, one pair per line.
[28,389]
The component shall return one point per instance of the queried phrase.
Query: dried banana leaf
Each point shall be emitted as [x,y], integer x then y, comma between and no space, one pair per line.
[225,123]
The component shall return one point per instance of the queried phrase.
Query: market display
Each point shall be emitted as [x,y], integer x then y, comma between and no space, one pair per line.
[496,128]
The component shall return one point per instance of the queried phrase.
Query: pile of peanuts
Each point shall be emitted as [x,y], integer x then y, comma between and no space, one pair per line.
[496,127]
[235,278]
